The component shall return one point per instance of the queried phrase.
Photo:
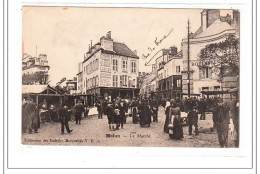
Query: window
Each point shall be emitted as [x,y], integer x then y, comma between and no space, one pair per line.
[123,81]
[115,80]
[133,67]
[168,85]
[125,65]
[205,88]
[133,84]
[205,73]
[178,83]
[86,82]
[97,81]
[216,88]
[178,69]
[115,65]
[94,81]
[97,61]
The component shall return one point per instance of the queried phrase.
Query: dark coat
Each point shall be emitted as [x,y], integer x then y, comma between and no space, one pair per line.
[221,117]
[167,118]
[110,114]
[79,108]
[192,118]
[145,114]
[33,116]
[64,114]
[154,105]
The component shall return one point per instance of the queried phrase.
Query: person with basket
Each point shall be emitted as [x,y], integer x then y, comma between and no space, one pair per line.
[175,126]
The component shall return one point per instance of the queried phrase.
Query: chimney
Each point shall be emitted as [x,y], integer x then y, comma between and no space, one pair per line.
[204,19]
[106,42]
[208,16]
[173,50]
[108,36]
[135,52]
[90,44]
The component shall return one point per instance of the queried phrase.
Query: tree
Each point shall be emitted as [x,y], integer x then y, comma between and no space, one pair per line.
[223,57]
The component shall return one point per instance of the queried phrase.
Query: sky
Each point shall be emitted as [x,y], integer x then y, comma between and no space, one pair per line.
[64,33]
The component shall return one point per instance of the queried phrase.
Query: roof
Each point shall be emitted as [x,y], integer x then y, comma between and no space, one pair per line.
[214,28]
[122,50]
[37,89]
[33,88]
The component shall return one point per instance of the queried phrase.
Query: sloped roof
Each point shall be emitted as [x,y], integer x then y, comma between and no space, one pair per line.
[26,89]
[37,89]
[215,28]
[122,50]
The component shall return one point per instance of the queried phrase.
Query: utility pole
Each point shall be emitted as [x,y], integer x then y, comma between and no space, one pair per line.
[188,58]
[36,51]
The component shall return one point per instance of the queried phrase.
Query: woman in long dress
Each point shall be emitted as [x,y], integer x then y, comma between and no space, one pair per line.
[145,114]
[175,131]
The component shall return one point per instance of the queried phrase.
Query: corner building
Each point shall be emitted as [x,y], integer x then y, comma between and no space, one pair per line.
[214,29]
[109,70]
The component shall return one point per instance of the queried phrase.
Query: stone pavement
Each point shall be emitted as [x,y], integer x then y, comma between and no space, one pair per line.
[95,132]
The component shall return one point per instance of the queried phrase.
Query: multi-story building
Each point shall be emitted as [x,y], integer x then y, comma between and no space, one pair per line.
[149,85]
[169,67]
[35,70]
[79,79]
[109,69]
[214,29]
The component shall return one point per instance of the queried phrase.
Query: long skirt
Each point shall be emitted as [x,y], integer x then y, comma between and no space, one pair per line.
[134,115]
[177,130]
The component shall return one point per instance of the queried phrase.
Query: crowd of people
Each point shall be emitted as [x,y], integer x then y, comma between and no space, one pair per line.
[33,115]
[143,111]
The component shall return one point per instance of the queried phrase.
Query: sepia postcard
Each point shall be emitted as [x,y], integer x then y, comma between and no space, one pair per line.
[142,77]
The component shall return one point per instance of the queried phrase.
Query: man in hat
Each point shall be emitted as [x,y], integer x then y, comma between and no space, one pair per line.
[64,118]
[33,116]
[79,110]
[193,120]
[110,116]
[221,121]
[234,113]
[134,105]
[99,105]
[24,116]
[202,106]
[154,107]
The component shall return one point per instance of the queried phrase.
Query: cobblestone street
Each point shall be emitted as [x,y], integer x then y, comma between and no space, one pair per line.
[94,132]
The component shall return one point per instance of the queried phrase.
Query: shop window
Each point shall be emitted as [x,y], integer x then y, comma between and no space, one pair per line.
[115,80]
[178,83]
[123,81]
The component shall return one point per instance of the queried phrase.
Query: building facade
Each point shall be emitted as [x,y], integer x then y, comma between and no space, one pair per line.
[109,70]
[35,70]
[79,79]
[214,29]
[169,74]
